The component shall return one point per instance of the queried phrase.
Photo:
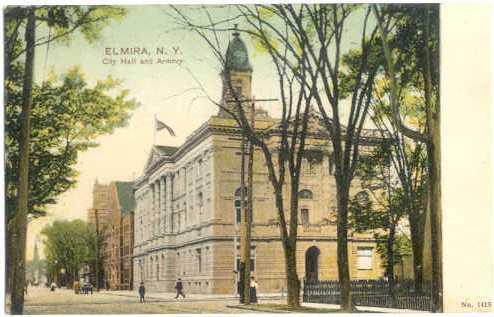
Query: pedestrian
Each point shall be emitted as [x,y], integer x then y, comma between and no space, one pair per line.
[142,292]
[179,287]
[253,290]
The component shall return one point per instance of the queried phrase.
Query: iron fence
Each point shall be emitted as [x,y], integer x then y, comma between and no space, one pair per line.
[375,293]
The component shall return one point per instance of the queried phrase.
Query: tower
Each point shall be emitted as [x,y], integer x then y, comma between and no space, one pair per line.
[237,74]
[36,262]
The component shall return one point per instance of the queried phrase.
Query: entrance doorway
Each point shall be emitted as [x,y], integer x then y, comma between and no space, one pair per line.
[312,264]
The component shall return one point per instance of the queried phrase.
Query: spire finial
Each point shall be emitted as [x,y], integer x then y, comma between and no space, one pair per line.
[235,30]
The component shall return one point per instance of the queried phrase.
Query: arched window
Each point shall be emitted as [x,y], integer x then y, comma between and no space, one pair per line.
[199,167]
[157,269]
[304,216]
[200,202]
[238,199]
[305,194]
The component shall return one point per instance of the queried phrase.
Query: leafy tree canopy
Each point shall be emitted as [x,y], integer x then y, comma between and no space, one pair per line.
[67,117]
[61,22]
[69,245]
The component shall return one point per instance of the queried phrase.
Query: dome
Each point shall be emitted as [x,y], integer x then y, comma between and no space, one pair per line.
[237,56]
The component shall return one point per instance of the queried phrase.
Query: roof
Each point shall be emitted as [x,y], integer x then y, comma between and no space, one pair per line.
[125,196]
[166,150]
[237,56]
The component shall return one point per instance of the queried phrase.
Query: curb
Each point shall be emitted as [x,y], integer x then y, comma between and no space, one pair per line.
[246,307]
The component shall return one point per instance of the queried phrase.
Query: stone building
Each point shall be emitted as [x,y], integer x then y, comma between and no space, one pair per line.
[187,208]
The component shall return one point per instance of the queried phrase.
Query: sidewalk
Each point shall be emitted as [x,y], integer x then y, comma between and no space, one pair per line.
[170,297]
[190,297]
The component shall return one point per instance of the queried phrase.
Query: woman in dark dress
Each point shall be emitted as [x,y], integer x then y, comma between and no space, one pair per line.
[253,290]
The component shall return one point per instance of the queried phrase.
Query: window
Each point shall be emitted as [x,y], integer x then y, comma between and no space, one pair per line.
[199,167]
[238,91]
[200,202]
[163,261]
[364,258]
[252,259]
[305,194]
[238,200]
[173,223]
[141,267]
[199,260]
[305,216]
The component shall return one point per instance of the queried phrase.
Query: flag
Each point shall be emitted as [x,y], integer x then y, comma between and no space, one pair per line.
[161,125]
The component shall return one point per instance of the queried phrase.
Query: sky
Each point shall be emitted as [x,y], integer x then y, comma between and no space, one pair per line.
[168,91]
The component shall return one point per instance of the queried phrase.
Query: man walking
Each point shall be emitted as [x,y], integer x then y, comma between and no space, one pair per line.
[142,292]
[179,287]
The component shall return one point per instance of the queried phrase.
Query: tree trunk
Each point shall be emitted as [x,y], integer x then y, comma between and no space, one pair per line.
[293,284]
[342,248]
[434,160]
[20,218]
[417,239]
[390,263]
[8,257]
[436,236]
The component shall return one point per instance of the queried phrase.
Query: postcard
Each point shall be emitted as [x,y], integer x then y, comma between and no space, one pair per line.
[248,158]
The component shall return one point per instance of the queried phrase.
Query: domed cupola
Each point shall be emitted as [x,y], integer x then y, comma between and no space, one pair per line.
[237,57]
[236,76]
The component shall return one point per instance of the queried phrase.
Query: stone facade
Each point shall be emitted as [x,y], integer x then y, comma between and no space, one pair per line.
[186,218]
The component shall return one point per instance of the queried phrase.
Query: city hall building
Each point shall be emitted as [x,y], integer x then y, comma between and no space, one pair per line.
[187,215]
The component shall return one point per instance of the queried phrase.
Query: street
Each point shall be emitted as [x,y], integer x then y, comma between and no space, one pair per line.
[63,301]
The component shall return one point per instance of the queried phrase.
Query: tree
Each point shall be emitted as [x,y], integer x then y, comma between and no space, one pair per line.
[67,117]
[418,28]
[380,205]
[69,245]
[20,220]
[64,21]
[306,40]
[283,146]
[321,30]
[409,161]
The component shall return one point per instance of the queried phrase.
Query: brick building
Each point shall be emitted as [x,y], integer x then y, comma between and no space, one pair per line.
[101,209]
[187,209]
[114,205]
[119,237]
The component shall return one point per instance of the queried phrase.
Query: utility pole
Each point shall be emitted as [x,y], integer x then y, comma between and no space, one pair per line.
[242,269]
[247,218]
[246,211]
